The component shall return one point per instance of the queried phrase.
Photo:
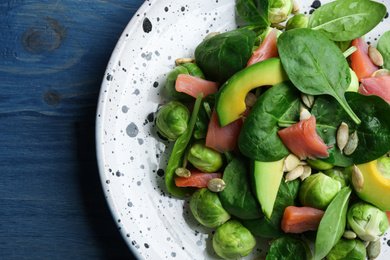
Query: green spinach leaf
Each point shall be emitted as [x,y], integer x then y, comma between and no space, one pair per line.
[347,19]
[259,139]
[288,248]
[315,65]
[383,47]
[332,224]
[203,118]
[373,132]
[270,227]
[254,12]
[178,153]
[237,197]
[222,55]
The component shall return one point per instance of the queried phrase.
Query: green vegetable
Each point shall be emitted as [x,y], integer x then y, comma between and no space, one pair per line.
[225,54]
[232,240]
[279,10]
[367,221]
[203,118]
[318,190]
[348,19]
[254,12]
[373,132]
[319,164]
[383,47]
[352,248]
[172,120]
[315,65]
[383,165]
[237,197]
[187,68]
[207,208]
[354,86]
[343,45]
[178,152]
[297,21]
[332,224]
[338,175]
[270,227]
[204,158]
[288,248]
[258,138]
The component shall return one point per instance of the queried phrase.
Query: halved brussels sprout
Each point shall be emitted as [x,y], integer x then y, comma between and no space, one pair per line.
[279,10]
[367,221]
[297,21]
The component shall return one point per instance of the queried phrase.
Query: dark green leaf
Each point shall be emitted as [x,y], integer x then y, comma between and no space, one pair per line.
[315,65]
[259,139]
[178,152]
[254,12]
[224,54]
[384,48]
[347,19]
[237,197]
[270,228]
[203,118]
[373,132]
[332,224]
[288,248]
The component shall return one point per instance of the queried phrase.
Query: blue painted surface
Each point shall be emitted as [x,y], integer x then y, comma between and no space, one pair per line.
[52,60]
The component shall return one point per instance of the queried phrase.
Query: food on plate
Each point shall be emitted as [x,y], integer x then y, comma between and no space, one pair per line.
[288,134]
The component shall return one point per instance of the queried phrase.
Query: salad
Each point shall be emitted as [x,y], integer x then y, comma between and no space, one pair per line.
[281,130]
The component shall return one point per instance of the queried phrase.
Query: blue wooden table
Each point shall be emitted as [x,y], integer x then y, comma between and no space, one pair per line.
[52,60]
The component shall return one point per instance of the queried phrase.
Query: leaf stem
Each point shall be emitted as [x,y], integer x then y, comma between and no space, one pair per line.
[348,109]
[350,50]
[282,123]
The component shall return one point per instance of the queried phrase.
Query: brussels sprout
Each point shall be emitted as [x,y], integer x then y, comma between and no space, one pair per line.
[187,68]
[318,190]
[172,120]
[279,10]
[339,176]
[347,248]
[207,208]
[297,21]
[367,221]
[383,165]
[232,240]
[204,158]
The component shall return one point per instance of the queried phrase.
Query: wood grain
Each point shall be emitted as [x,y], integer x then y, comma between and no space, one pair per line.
[52,60]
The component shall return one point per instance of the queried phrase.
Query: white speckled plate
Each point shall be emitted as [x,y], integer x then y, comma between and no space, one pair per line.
[131,156]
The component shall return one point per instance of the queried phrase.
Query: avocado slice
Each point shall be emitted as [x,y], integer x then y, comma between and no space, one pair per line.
[376,187]
[266,179]
[230,100]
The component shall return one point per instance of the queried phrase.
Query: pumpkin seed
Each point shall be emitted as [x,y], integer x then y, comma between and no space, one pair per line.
[349,234]
[183,172]
[352,144]
[342,136]
[291,162]
[357,179]
[365,243]
[381,72]
[308,100]
[295,7]
[250,99]
[211,35]
[304,114]
[375,56]
[306,172]
[216,185]
[181,61]
[373,249]
[278,26]
[294,174]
